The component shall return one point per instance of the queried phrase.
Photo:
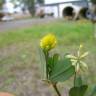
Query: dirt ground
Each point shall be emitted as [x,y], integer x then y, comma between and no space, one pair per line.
[20,75]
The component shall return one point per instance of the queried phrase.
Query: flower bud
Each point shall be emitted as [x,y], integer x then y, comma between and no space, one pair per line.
[48,42]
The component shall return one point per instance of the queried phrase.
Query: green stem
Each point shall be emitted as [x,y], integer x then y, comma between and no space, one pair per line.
[46,58]
[75,78]
[94,30]
[54,85]
[56,89]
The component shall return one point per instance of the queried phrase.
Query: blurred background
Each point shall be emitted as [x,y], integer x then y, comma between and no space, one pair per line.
[24,22]
[70,9]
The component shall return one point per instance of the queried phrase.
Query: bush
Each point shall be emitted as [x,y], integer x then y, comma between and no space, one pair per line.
[93,1]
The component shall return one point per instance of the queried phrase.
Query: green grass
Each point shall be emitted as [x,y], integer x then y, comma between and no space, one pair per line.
[19,47]
[69,32]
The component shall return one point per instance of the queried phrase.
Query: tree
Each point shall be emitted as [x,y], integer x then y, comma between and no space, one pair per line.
[40,1]
[93,8]
[31,5]
[93,12]
[93,1]
[1,2]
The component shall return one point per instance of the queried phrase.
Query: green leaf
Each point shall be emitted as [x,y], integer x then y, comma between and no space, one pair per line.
[78,81]
[43,65]
[78,91]
[55,58]
[52,60]
[62,71]
[93,92]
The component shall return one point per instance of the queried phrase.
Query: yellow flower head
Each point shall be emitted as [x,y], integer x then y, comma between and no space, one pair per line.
[48,42]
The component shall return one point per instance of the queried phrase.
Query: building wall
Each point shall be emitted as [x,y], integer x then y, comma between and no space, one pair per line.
[59,5]
[63,6]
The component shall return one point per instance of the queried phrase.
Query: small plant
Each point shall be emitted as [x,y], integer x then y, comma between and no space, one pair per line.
[57,69]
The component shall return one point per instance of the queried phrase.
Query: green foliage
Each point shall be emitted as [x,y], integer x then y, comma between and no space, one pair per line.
[78,81]
[93,93]
[31,6]
[58,70]
[43,65]
[62,70]
[78,91]
[1,2]
[40,1]
[93,1]
[52,61]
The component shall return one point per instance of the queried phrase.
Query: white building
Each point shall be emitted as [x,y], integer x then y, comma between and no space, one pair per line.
[8,7]
[61,8]
[12,10]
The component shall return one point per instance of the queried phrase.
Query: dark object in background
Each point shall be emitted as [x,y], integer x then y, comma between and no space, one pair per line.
[30,5]
[93,1]
[1,16]
[41,14]
[68,13]
[82,13]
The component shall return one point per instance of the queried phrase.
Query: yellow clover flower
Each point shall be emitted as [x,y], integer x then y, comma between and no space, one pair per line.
[48,42]
[77,61]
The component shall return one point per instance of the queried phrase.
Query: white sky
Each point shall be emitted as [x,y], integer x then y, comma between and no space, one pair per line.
[57,1]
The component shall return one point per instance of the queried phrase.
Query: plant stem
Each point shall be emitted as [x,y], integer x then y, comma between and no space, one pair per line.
[94,30]
[56,89]
[75,78]
[46,57]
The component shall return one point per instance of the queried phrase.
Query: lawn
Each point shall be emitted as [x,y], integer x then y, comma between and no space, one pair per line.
[19,55]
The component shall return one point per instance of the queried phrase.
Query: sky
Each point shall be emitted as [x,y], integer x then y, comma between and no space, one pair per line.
[57,1]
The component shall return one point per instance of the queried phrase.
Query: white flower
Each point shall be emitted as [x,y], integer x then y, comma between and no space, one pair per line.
[77,61]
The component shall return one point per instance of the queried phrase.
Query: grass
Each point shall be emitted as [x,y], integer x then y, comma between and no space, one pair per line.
[19,51]
[70,31]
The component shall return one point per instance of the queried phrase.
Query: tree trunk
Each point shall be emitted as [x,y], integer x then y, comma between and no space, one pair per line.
[31,6]
[93,19]
[31,10]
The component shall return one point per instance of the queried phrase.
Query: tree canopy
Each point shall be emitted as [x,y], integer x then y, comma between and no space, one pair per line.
[1,1]
[31,4]
[93,1]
